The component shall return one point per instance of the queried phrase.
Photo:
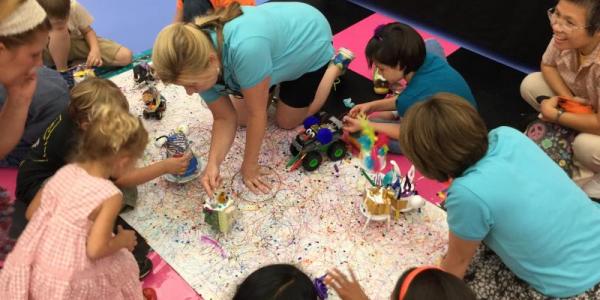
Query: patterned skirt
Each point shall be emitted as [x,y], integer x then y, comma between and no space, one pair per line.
[489,278]
[6,211]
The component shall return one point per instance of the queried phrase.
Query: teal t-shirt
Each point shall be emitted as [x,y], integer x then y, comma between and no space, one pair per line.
[434,76]
[530,213]
[280,40]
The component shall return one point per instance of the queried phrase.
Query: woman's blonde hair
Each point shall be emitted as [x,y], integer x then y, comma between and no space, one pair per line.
[113,131]
[7,7]
[443,136]
[92,93]
[181,51]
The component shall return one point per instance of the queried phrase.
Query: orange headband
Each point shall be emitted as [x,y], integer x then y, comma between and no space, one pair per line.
[409,278]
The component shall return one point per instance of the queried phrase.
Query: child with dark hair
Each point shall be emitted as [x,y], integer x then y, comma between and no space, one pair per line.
[277,282]
[399,52]
[539,232]
[570,68]
[421,283]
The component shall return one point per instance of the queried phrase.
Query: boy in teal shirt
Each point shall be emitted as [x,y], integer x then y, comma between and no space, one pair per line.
[509,195]
[399,53]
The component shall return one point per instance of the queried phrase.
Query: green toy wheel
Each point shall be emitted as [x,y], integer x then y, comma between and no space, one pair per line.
[336,151]
[312,161]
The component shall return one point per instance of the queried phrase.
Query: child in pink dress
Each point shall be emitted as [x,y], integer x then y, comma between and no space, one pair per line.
[68,250]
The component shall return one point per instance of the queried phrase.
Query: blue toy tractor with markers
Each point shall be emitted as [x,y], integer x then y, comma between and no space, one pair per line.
[321,137]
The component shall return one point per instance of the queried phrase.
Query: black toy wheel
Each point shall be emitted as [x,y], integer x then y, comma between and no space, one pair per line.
[159,115]
[145,114]
[312,161]
[293,150]
[336,151]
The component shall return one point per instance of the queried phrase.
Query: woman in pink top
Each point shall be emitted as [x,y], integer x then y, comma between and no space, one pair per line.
[571,68]
[68,249]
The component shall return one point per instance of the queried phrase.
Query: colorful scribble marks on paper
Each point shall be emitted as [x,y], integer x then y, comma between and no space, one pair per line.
[309,219]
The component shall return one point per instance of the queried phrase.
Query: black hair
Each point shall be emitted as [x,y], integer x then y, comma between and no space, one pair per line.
[593,14]
[397,45]
[274,282]
[433,284]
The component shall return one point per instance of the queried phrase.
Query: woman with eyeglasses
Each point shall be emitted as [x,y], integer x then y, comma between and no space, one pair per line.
[570,68]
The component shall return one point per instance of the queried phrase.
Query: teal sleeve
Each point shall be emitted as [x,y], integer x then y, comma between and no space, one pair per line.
[252,62]
[468,216]
[210,95]
[404,101]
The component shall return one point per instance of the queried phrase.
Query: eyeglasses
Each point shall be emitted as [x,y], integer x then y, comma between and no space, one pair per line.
[566,25]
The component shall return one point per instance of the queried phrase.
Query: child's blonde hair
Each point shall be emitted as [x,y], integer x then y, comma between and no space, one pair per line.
[181,51]
[91,93]
[112,131]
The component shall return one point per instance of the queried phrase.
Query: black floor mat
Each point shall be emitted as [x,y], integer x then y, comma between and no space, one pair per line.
[352,85]
[496,88]
[341,14]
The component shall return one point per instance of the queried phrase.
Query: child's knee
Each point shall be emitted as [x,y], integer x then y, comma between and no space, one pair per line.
[124,57]
[533,86]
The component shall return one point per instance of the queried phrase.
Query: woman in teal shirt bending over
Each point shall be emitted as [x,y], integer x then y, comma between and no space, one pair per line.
[541,232]
[243,52]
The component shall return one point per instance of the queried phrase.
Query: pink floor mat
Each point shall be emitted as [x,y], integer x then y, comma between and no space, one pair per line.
[167,283]
[8,180]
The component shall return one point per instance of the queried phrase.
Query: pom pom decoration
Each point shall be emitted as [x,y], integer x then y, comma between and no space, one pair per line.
[320,287]
[388,178]
[160,141]
[183,129]
[365,143]
[324,136]
[348,103]
[310,121]
[369,163]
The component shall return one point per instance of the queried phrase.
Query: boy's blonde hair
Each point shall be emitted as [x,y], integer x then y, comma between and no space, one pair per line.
[181,51]
[90,94]
[443,136]
[112,131]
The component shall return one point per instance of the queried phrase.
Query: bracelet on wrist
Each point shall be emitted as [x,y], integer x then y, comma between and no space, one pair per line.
[559,113]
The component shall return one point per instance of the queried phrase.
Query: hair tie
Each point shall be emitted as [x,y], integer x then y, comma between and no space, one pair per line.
[378,32]
[320,287]
[409,278]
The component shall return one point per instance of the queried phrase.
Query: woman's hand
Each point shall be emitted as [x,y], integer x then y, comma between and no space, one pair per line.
[254,179]
[21,91]
[549,110]
[347,289]
[210,179]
